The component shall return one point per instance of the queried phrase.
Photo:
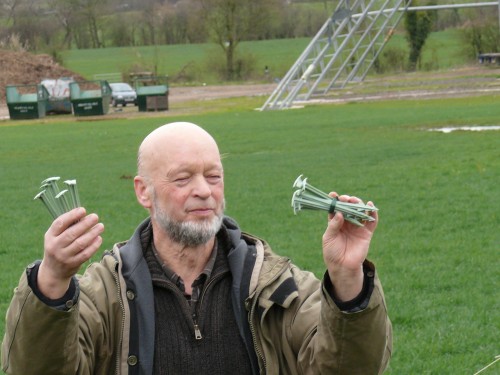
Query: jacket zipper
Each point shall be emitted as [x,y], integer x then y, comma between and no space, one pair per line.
[122,307]
[194,316]
[257,348]
[197,331]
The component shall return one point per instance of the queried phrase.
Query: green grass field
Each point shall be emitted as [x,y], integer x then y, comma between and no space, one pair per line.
[443,50]
[171,59]
[436,247]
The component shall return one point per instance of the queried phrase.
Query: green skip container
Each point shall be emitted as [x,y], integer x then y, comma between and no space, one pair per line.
[26,101]
[152,98]
[90,98]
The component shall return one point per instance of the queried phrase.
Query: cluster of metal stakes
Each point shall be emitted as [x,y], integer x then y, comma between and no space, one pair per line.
[308,197]
[58,201]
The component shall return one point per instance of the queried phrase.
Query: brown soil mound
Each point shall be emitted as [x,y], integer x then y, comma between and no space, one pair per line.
[24,68]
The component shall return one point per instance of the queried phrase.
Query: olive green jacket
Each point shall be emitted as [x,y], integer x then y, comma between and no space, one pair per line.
[291,325]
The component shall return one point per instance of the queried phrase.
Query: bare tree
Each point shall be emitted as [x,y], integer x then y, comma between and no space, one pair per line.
[180,23]
[231,21]
[10,9]
[22,21]
[151,20]
[91,9]
[65,16]
[80,21]
[480,33]
[121,33]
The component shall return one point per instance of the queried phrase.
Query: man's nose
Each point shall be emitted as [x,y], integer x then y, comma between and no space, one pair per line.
[201,187]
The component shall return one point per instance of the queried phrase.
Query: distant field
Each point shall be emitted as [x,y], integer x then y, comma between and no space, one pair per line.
[171,59]
[442,51]
[437,244]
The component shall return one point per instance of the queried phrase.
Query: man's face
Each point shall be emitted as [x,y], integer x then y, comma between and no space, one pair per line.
[188,194]
[187,233]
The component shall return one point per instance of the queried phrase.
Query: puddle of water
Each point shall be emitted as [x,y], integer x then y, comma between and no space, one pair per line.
[465,128]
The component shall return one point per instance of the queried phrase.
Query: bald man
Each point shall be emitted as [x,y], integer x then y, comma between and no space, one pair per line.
[190,292]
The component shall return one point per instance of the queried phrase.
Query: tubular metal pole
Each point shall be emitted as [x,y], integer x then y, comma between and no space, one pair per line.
[434,7]
[451,6]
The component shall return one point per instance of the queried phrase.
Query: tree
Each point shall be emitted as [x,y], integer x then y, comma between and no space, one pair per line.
[480,33]
[151,19]
[121,34]
[80,21]
[65,17]
[418,25]
[231,21]
[21,22]
[181,23]
[9,7]
[91,9]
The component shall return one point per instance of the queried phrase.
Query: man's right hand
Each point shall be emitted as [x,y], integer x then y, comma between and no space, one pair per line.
[70,241]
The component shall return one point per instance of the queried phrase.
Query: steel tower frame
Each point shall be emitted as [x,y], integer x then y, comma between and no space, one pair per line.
[345,48]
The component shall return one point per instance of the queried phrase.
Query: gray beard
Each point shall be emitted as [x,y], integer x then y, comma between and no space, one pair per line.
[187,233]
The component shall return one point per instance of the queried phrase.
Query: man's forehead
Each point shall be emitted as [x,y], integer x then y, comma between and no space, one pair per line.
[194,164]
[177,144]
[178,130]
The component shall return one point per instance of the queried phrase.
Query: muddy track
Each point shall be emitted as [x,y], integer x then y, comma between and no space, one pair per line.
[464,82]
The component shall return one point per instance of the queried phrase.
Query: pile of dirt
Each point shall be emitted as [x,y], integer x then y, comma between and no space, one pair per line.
[24,68]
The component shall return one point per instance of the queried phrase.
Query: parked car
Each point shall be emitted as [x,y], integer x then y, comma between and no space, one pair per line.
[122,94]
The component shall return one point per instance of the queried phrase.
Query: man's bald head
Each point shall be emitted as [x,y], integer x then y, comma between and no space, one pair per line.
[181,183]
[175,137]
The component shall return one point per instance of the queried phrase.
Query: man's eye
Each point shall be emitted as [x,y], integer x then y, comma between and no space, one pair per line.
[214,178]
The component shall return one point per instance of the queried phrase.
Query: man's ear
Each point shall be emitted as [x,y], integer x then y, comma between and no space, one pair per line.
[142,192]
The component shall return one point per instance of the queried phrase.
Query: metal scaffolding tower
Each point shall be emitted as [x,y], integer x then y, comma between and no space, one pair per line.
[345,48]
[342,51]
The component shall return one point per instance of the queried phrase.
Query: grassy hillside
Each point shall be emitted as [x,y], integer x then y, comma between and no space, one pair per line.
[442,51]
[436,248]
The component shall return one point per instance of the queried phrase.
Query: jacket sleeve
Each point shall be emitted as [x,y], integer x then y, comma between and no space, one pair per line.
[40,339]
[340,342]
